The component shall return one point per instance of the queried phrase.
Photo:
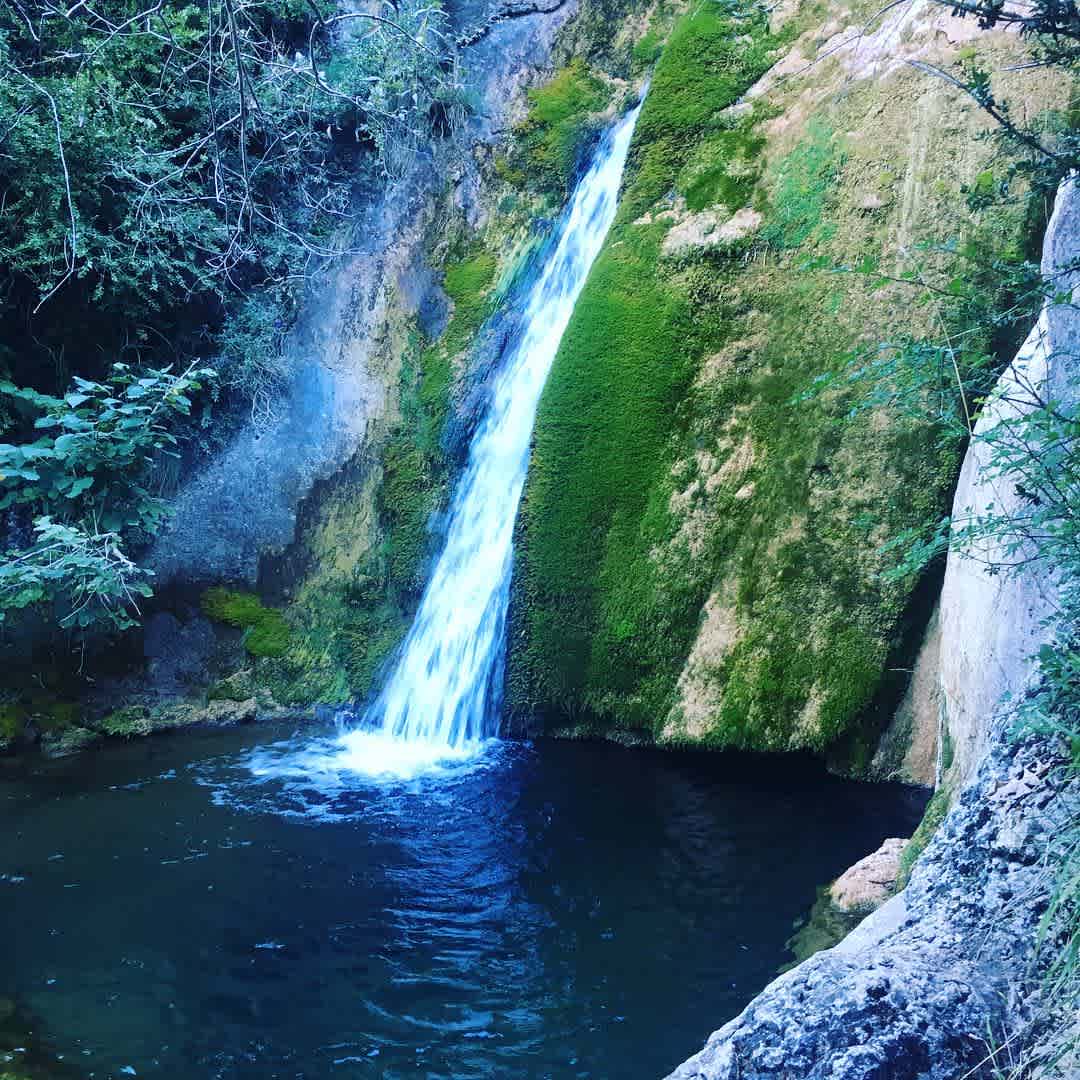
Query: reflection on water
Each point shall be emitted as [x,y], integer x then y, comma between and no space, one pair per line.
[193,908]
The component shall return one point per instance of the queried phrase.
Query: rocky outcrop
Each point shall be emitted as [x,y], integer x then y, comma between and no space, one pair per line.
[927,985]
[342,356]
[869,882]
[994,624]
[939,977]
[703,553]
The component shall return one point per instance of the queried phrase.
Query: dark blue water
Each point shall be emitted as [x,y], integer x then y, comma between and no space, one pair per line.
[563,910]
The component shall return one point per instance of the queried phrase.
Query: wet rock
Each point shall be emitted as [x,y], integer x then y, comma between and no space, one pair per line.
[243,503]
[212,714]
[177,653]
[871,881]
[912,991]
[68,740]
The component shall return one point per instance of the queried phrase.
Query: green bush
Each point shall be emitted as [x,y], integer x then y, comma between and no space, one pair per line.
[80,472]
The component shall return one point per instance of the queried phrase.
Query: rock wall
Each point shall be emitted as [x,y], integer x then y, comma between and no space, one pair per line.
[700,556]
[993,625]
[935,982]
[343,353]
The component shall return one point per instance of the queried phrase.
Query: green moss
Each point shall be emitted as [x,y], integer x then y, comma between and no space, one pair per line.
[725,169]
[681,454]
[468,283]
[12,718]
[127,723]
[710,59]
[598,482]
[267,632]
[269,636]
[240,609]
[647,49]
[605,418]
[935,813]
[356,607]
[560,125]
[801,186]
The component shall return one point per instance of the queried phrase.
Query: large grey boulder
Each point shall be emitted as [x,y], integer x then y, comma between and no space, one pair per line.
[923,987]
[992,625]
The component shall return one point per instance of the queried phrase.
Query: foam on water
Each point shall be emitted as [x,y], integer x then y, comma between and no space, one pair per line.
[439,706]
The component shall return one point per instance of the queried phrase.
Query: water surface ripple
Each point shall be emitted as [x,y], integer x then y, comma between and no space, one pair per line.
[561,910]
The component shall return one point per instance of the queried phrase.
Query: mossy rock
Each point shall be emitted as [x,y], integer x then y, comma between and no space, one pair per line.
[703,549]
[267,634]
[69,740]
[129,722]
[237,687]
[561,125]
[12,724]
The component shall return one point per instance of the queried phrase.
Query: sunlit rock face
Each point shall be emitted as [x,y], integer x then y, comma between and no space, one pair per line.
[994,624]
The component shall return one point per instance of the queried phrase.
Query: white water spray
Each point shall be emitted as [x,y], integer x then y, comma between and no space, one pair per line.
[440,702]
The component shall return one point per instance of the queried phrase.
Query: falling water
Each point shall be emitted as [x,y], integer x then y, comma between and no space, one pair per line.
[440,701]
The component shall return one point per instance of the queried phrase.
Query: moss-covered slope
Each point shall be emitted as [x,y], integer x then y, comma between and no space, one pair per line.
[700,552]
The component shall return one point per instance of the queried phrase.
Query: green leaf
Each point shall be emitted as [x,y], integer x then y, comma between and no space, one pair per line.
[79,485]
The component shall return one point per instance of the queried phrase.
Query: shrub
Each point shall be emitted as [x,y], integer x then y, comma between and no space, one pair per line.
[81,473]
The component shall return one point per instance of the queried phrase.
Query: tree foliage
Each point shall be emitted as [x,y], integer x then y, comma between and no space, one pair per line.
[158,157]
[83,474]
[169,171]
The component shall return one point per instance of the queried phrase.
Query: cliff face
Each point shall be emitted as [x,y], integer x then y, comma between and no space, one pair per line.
[345,351]
[993,626]
[933,983]
[700,557]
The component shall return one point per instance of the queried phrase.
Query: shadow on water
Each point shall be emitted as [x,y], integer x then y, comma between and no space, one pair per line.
[555,910]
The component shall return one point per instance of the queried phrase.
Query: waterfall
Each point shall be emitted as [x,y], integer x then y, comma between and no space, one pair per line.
[441,699]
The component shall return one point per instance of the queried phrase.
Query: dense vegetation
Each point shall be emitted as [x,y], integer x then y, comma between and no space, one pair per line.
[170,173]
